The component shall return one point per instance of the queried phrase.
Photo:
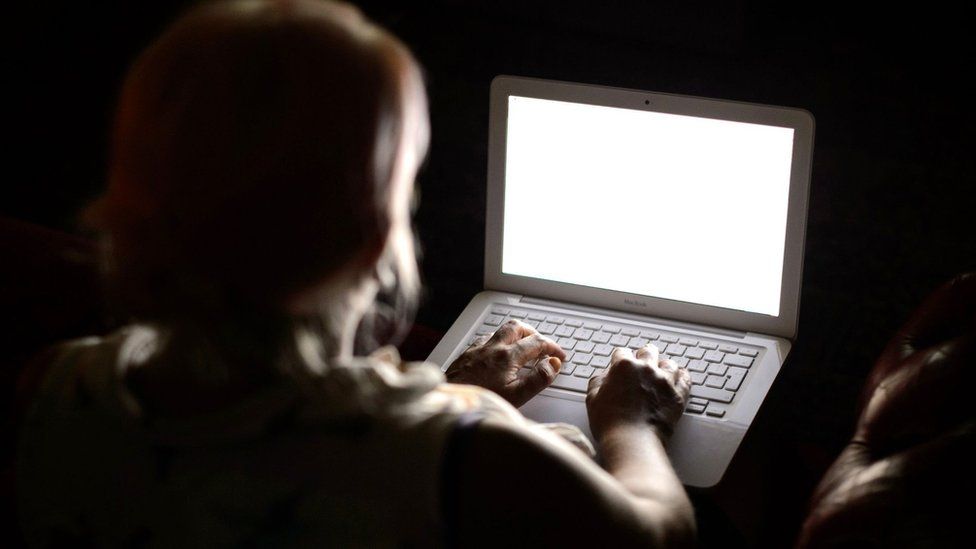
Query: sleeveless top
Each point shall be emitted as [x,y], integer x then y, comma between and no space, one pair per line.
[349,457]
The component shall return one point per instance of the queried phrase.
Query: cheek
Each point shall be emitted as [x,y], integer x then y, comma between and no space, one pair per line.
[401,195]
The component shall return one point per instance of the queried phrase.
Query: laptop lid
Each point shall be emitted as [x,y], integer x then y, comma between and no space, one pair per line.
[669,206]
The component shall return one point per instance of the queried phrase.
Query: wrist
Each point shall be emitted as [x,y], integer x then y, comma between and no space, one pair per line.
[632,431]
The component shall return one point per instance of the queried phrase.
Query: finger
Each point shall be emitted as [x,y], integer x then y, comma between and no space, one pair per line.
[535,346]
[667,365]
[682,383]
[595,383]
[670,369]
[619,354]
[512,331]
[530,381]
[946,313]
[649,353]
[480,340]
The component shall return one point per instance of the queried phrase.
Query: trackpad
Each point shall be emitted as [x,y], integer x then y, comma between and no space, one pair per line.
[551,407]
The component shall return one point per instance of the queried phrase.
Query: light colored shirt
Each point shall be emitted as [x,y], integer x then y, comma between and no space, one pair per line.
[348,457]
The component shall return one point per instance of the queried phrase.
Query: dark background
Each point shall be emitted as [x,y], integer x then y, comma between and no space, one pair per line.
[891,205]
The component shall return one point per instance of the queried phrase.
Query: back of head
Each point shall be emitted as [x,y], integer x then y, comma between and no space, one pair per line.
[254,155]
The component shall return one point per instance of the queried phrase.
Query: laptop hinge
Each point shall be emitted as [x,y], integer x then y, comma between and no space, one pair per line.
[640,318]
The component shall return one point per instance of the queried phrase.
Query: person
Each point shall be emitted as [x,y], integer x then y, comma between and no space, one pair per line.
[896,484]
[257,233]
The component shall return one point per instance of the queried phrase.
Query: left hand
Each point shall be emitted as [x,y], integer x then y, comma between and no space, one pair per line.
[497,363]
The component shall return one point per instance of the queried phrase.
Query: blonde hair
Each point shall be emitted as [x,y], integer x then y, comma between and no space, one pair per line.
[253,158]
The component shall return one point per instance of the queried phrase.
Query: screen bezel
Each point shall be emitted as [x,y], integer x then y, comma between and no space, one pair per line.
[784,324]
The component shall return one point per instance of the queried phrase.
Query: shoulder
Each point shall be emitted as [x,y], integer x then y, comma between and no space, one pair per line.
[75,377]
[56,368]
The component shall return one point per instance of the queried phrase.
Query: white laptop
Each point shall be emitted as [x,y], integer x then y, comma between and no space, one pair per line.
[619,217]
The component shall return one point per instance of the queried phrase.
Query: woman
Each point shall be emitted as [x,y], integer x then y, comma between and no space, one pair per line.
[256,217]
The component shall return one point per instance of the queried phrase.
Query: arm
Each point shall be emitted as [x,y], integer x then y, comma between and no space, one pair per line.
[551,494]
[527,490]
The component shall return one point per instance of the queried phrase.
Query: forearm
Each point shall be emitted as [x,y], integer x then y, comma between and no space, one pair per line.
[635,456]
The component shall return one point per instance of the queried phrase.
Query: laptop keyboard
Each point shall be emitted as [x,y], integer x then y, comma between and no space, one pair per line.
[717,368]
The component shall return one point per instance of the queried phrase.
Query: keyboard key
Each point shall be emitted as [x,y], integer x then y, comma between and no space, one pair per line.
[689,342]
[749,352]
[717,369]
[567,368]
[592,325]
[582,358]
[538,317]
[555,319]
[584,346]
[600,337]
[697,365]
[708,345]
[582,333]
[648,334]
[695,408]
[736,375]
[699,401]
[669,338]
[697,353]
[572,383]
[600,361]
[718,395]
[697,378]
[500,310]
[546,328]
[630,332]
[638,342]
[676,349]
[619,340]
[715,412]
[515,313]
[566,343]
[603,349]
[532,323]
[569,355]
[611,329]
[583,371]
[485,330]
[565,331]
[715,381]
[681,361]
[573,322]
[714,356]
[494,320]
[738,360]
[726,348]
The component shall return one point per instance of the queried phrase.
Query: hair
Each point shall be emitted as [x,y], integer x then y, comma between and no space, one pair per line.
[254,157]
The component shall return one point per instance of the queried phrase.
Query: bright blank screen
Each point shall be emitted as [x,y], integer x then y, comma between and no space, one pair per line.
[663,205]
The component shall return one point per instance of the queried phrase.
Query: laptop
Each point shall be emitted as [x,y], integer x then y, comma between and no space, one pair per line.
[617,218]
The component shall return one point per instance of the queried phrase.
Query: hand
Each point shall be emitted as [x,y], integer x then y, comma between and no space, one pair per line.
[497,363]
[925,368]
[915,435]
[637,389]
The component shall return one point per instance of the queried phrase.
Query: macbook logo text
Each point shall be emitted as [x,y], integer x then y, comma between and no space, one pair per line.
[629,301]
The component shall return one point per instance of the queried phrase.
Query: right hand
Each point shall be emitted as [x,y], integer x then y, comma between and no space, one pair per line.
[638,389]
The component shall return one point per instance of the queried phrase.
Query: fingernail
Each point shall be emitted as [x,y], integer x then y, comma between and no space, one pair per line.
[555,363]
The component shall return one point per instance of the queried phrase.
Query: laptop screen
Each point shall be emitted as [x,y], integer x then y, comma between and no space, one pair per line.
[655,204]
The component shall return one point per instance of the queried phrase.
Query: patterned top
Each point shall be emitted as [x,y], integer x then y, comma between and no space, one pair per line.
[349,457]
